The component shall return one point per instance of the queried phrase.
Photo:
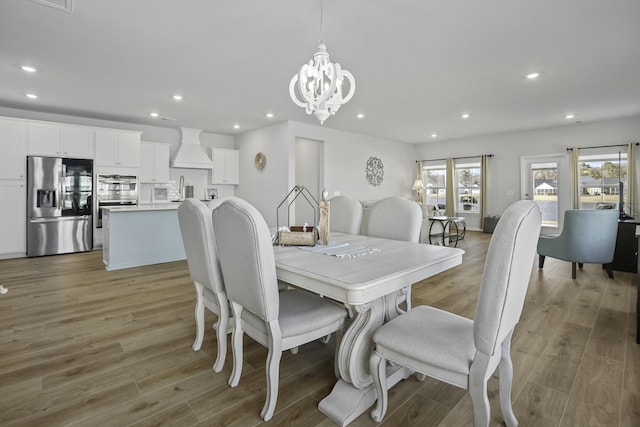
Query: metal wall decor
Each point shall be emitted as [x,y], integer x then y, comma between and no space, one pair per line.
[260,161]
[374,171]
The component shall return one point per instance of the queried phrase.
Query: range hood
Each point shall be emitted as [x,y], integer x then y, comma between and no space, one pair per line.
[190,154]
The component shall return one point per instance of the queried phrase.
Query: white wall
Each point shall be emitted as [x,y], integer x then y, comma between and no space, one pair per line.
[507,148]
[345,157]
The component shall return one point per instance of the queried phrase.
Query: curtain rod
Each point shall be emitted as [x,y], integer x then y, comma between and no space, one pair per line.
[601,146]
[455,158]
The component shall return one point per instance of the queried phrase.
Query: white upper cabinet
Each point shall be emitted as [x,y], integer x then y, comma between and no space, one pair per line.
[154,163]
[50,139]
[117,148]
[13,137]
[226,166]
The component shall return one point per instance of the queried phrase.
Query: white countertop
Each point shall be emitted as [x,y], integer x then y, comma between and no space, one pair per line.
[142,208]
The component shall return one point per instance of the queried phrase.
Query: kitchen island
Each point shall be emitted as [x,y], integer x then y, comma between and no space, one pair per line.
[141,235]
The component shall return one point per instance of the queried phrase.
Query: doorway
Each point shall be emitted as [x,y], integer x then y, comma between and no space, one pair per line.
[309,172]
[546,180]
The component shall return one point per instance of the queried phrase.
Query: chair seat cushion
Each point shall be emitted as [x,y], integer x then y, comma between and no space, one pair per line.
[300,312]
[431,336]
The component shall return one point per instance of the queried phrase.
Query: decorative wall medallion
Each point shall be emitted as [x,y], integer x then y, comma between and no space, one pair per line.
[374,171]
[261,160]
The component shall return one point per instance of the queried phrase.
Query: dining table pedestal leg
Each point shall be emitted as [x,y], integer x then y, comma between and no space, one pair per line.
[355,392]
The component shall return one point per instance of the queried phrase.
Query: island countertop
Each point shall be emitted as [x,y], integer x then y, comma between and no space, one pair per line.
[142,208]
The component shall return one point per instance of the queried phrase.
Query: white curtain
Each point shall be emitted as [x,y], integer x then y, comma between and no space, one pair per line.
[632,187]
[450,207]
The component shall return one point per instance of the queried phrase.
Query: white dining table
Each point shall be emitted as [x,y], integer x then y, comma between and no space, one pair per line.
[371,276]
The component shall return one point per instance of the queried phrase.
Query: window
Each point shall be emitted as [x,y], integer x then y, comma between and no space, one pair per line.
[544,182]
[468,182]
[600,177]
[434,177]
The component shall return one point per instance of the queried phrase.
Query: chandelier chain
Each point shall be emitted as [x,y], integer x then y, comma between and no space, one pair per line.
[321,21]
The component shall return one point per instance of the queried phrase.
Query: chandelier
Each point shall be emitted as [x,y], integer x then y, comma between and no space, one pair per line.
[320,83]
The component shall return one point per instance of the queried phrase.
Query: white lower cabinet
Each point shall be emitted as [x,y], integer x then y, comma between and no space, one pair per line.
[13,222]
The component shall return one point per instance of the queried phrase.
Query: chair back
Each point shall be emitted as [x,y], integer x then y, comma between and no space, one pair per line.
[589,235]
[199,244]
[246,257]
[345,215]
[395,218]
[507,271]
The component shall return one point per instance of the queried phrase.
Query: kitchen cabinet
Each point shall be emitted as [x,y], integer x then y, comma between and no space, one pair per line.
[154,162]
[13,137]
[117,148]
[226,166]
[13,222]
[51,139]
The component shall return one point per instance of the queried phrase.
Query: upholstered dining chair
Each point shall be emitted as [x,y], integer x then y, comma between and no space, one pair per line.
[277,320]
[588,236]
[396,218]
[345,215]
[200,247]
[465,352]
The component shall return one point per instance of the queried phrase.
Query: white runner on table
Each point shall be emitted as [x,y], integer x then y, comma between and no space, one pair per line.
[340,250]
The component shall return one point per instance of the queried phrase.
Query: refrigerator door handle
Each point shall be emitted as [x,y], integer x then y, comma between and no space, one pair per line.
[61,186]
[59,219]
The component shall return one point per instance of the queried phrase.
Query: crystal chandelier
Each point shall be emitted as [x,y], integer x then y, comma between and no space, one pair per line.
[320,83]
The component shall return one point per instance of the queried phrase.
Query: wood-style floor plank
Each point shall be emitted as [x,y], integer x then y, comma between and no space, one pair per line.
[80,346]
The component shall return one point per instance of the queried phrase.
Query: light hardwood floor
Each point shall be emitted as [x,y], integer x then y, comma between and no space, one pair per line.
[85,347]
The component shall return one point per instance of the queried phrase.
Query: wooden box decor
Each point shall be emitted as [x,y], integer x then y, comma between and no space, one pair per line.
[298,236]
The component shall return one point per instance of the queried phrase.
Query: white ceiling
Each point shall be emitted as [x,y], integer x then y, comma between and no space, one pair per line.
[418,64]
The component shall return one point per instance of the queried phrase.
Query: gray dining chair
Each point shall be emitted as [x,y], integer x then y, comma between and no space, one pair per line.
[396,218]
[461,351]
[196,229]
[278,320]
[345,215]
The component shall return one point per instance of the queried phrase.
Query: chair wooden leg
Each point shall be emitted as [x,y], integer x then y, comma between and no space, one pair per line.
[478,390]
[609,270]
[221,331]
[273,370]
[541,261]
[199,315]
[378,369]
[506,379]
[236,345]
[573,270]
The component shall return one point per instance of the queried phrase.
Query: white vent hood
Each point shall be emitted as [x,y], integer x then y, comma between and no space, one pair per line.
[190,154]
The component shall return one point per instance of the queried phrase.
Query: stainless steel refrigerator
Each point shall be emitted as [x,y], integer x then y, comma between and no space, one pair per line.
[59,205]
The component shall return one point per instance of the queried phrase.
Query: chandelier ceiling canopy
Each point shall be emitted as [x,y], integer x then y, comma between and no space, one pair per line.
[319,83]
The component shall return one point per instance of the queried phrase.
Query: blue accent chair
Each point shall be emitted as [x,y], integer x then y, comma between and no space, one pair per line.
[588,236]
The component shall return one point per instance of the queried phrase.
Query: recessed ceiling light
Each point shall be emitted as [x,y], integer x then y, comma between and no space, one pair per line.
[533,76]
[269,115]
[236,126]
[28,68]
[569,116]
[154,114]
[434,135]
[465,115]
[177,97]
[360,115]
[32,96]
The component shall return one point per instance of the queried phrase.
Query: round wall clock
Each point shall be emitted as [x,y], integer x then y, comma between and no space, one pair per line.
[261,161]
[374,171]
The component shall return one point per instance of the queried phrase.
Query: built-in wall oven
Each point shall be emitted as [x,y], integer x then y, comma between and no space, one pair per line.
[115,190]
